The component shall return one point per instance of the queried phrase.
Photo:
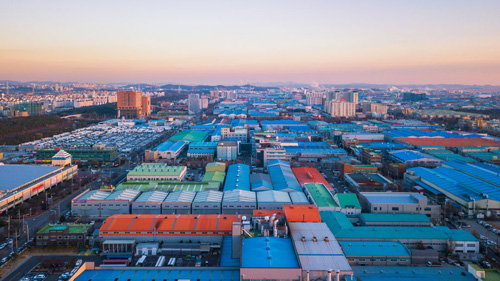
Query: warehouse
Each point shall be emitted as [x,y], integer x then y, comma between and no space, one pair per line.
[215,178]
[448,143]
[98,203]
[157,171]
[321,197]
[21,182]
[310,175]
[282,176]
[376,253]
[178,202]
[476,192]
[269,258]
[407,220]
[239,202]
[133,273]
[318,251]
[369,182]
[168,228]
[207,202]
[398,203]
[149,202]
[190,136]
[298,197]
[168,186]
[374,273]
[237,178]
[168,150]
[202,149]
[413,158]
[272,200]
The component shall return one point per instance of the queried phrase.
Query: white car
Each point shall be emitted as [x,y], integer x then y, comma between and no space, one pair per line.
[79,262]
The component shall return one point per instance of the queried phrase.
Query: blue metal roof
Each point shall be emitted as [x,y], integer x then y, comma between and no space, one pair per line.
[411,155]
[483,172]
[405,133]
[226,253]
[458,183]
[282,176]
[237,177]
[268,252]
[169,145]
[138,274]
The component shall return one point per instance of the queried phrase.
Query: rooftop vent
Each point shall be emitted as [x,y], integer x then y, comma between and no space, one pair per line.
[326,239]
[304,239]
[315,239]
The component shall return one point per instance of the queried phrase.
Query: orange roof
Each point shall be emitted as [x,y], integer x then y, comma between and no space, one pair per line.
[263,213]
[450,142]
[310,175]
[301,213]
[168,224]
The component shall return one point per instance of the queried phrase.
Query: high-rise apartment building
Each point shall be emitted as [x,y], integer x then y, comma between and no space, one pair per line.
[333,96]
[414,96]
[314,98]
[351,97]
[340,109]
[132,104]
[369,107]
[194,103]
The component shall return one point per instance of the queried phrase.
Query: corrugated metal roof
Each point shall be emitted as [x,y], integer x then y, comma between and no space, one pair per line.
[152,196]
[268,252]
[270,196]
[239,196]
[282,176]
[208,196]
[359,249]
[237,177]
[125,194]
[180,196]
[298,197]
[94,195]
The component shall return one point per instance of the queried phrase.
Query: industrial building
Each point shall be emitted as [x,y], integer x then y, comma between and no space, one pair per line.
[282,176]
[178,202]
[318,251]
[99,203]
[168,186]
[190,136]
[149,202]
[238,177]
[228,150]
[207,202]
[361,182]
[21,182]
[167,228]
[272,200]
[64,234]
[269,258]
[412,158]
[407,220]
[239,202]
[168,150]
[202,149]
[158,172]
[321,197]
[398,203]
[377,253]
[476,192]
[310,175]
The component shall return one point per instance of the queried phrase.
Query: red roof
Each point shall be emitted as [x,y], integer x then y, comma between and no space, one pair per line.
[450,142]
[301,213]
[310,175]
[131,225]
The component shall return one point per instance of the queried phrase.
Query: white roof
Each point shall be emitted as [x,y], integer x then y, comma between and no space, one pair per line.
[209,196]
[238,195]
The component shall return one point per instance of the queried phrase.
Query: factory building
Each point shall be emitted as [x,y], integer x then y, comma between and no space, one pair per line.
[207,202]
[239,202]
[168,150]
[398,203]
[158,172]
[238,177]
[149,202]
[282,176]
[178,202]
[377,253]
[272,200]
[98,203]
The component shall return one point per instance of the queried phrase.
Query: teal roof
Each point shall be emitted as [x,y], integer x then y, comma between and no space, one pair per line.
[336,221]
[348,200]
[360,249]
[391,232]
[368,217]
[457,234]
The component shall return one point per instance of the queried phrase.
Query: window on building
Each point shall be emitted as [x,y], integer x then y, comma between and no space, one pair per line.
[395,208]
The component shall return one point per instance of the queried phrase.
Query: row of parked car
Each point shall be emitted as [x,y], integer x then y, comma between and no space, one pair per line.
[67,275]
[489,227]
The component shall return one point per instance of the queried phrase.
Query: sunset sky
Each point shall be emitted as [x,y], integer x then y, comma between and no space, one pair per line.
[232,42]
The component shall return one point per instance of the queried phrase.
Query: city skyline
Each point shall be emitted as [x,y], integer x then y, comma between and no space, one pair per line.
[404,42]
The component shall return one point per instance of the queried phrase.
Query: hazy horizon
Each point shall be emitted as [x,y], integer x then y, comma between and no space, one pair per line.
[258,42]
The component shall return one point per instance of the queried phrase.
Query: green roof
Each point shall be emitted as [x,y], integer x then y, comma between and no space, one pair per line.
[368,217]
[154,169]
[490,274]
[73,228]
[321,195]
[167,185]
[391,232]
[348,199]
[190,136]
[216,176]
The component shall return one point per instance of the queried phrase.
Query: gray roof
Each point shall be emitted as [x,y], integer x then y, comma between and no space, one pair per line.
[271,196]
[125,194]
[322,254]
[152,196]
[298,197]
[239,196]
[259,176]
[180,196]
[209,196]
[14,176]
[94,195]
